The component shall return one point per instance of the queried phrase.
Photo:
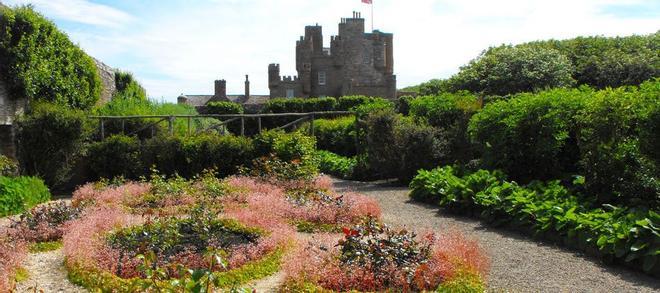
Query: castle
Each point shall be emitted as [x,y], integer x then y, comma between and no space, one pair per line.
[357,63]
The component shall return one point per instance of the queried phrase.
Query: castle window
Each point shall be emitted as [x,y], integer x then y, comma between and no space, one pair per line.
[322,78]
[290,93]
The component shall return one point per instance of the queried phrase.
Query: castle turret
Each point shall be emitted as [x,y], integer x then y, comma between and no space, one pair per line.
[273,75]
[352,27]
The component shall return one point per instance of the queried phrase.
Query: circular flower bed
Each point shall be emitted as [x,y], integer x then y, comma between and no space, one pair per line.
[373,257]
[169,235]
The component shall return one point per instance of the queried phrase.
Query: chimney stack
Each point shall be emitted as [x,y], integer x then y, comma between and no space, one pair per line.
[247,87]
[221,89]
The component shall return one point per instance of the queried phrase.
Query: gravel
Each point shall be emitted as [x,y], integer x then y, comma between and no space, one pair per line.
[47,274]
[518,263]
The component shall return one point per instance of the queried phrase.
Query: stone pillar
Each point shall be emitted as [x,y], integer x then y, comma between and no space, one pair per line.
[220,89]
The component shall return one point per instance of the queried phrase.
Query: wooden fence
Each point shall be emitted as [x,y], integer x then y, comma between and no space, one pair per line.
[224,120]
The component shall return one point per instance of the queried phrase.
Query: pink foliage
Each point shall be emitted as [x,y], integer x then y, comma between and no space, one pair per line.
[83,240]
[12,254]
[317,261]
[109,195]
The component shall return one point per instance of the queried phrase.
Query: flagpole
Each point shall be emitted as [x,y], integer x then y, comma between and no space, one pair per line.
[372,16]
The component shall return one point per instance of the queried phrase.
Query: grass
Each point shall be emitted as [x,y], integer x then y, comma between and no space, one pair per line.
[45,246]
[22,275]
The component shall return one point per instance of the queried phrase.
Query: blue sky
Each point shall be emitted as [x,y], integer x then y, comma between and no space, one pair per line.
[176,46]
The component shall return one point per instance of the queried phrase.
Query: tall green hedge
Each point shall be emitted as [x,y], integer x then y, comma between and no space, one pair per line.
[603,135]
[18,194]
[51,139]
[39,62]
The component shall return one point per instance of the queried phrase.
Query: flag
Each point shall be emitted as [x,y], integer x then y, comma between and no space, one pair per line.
[367,1]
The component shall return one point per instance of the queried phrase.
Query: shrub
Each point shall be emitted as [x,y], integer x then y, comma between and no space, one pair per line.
[336,165]
[507,70]
[117,155]
[615,145]
[450,114]
[225,154]
[44,223]
[223,108]
[128,87]
[547,209]
[335,135]
[299,105]
[372,257]
[12,255]
[348,103]
[128,157]
[19,194]
[8,167]
[530,136]
[40,63]
[286,146]
[144,107]
[51,140]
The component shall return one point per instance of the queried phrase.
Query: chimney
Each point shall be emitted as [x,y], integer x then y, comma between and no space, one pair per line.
[247,86]
[221,89]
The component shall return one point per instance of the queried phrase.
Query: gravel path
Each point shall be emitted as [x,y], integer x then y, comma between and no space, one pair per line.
[519,264]
[47,274]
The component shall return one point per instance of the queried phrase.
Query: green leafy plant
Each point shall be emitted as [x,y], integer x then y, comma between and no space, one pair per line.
[18,194]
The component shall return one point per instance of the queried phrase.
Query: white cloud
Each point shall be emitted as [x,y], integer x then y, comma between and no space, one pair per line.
[81,11]
[184,49]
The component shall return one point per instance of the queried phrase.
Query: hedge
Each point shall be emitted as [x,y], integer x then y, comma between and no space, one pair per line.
[40,63]
[336,165]
[51,139]
[627,235]
[131,158]
[603,135]
[335,135]
[18,194]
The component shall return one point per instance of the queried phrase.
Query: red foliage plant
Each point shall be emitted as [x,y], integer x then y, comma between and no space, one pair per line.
[90,193]
[320,262]
[12,254]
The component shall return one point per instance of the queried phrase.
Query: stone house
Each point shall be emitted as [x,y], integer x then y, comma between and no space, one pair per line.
[248,100]
[357,63]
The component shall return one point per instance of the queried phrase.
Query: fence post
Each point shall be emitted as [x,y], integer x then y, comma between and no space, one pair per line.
[259,123]
[123,126]
[102,130]
[242,126]
[170,125]
[189,122]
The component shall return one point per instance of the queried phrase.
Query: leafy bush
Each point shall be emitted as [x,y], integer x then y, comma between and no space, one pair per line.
[117,155]
[616,144]
[629,235]
[530,136]
[128,87]
[225,154]
[348,103]
[450,114]
[224,108]
[40,63]
[336,165]
[51,140]
[299,105]
[506,70]
[431,87]
[8,167]
[145,107]
[18,194]
[44,223]
[128,157]
[335,135]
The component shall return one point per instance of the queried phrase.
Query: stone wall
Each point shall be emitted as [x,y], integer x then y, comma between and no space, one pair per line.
[107,75]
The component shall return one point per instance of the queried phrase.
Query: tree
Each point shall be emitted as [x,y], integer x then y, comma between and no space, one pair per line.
[507,70]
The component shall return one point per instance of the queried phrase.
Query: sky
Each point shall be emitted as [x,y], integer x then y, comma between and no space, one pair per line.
[177,46]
